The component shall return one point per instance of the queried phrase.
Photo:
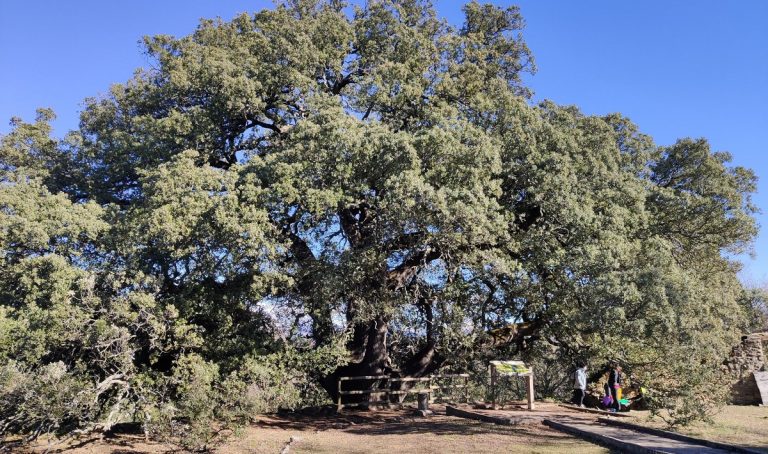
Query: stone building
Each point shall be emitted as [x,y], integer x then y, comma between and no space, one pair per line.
[747,358]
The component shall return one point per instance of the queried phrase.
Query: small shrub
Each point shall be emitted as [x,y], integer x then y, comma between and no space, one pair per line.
[47,400]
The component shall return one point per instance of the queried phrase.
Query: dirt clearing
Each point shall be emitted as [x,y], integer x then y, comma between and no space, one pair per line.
[365,432]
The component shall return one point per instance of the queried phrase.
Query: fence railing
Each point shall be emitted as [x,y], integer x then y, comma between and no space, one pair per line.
[383,387]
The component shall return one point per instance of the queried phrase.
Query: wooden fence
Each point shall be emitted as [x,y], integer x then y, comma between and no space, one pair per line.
[383,387]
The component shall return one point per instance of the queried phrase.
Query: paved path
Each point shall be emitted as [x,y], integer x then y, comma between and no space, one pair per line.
[609,431]
[627,440]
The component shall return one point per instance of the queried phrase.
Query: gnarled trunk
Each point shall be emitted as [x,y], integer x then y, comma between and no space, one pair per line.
[370,339]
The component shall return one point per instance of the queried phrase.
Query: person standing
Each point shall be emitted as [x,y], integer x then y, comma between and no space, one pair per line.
[615,380]
[580,384]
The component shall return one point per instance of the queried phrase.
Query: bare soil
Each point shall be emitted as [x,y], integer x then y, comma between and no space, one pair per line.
[396,431]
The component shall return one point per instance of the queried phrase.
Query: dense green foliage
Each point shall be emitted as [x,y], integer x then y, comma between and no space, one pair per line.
[313,191]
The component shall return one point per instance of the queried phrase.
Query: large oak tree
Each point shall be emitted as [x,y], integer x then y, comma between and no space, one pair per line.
[372,176]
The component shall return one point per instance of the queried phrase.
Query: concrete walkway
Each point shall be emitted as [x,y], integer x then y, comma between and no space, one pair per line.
[628,440]
[613,432]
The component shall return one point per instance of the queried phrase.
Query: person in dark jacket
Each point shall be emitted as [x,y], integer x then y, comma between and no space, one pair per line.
[615,380]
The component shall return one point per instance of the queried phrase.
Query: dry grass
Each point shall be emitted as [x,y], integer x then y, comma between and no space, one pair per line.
[738,425]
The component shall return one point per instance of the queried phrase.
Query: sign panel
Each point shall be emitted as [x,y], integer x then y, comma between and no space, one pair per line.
[510,367]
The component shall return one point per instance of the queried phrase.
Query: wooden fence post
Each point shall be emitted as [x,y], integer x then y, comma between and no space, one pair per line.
[491,371]
[529,386]
[338,397]
[466,389]
[388,391]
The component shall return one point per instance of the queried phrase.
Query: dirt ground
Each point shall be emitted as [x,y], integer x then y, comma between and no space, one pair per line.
[400,432]
[363,432]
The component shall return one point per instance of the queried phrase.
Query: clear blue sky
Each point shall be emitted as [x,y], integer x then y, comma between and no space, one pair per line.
[677,68]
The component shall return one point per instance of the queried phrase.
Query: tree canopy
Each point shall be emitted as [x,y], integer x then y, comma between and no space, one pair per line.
[316,190]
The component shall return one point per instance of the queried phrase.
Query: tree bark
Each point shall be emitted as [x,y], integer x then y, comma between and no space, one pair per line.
[374,361]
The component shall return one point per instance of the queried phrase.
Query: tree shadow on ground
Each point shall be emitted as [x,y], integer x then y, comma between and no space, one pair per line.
[299,422]
[443,426]
[394,422]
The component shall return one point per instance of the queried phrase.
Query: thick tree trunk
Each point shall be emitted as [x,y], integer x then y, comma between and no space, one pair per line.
[376,356]
[424,362]
[369,344]
[375,361]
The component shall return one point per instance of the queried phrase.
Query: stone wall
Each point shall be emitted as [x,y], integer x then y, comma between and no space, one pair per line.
[745,359]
